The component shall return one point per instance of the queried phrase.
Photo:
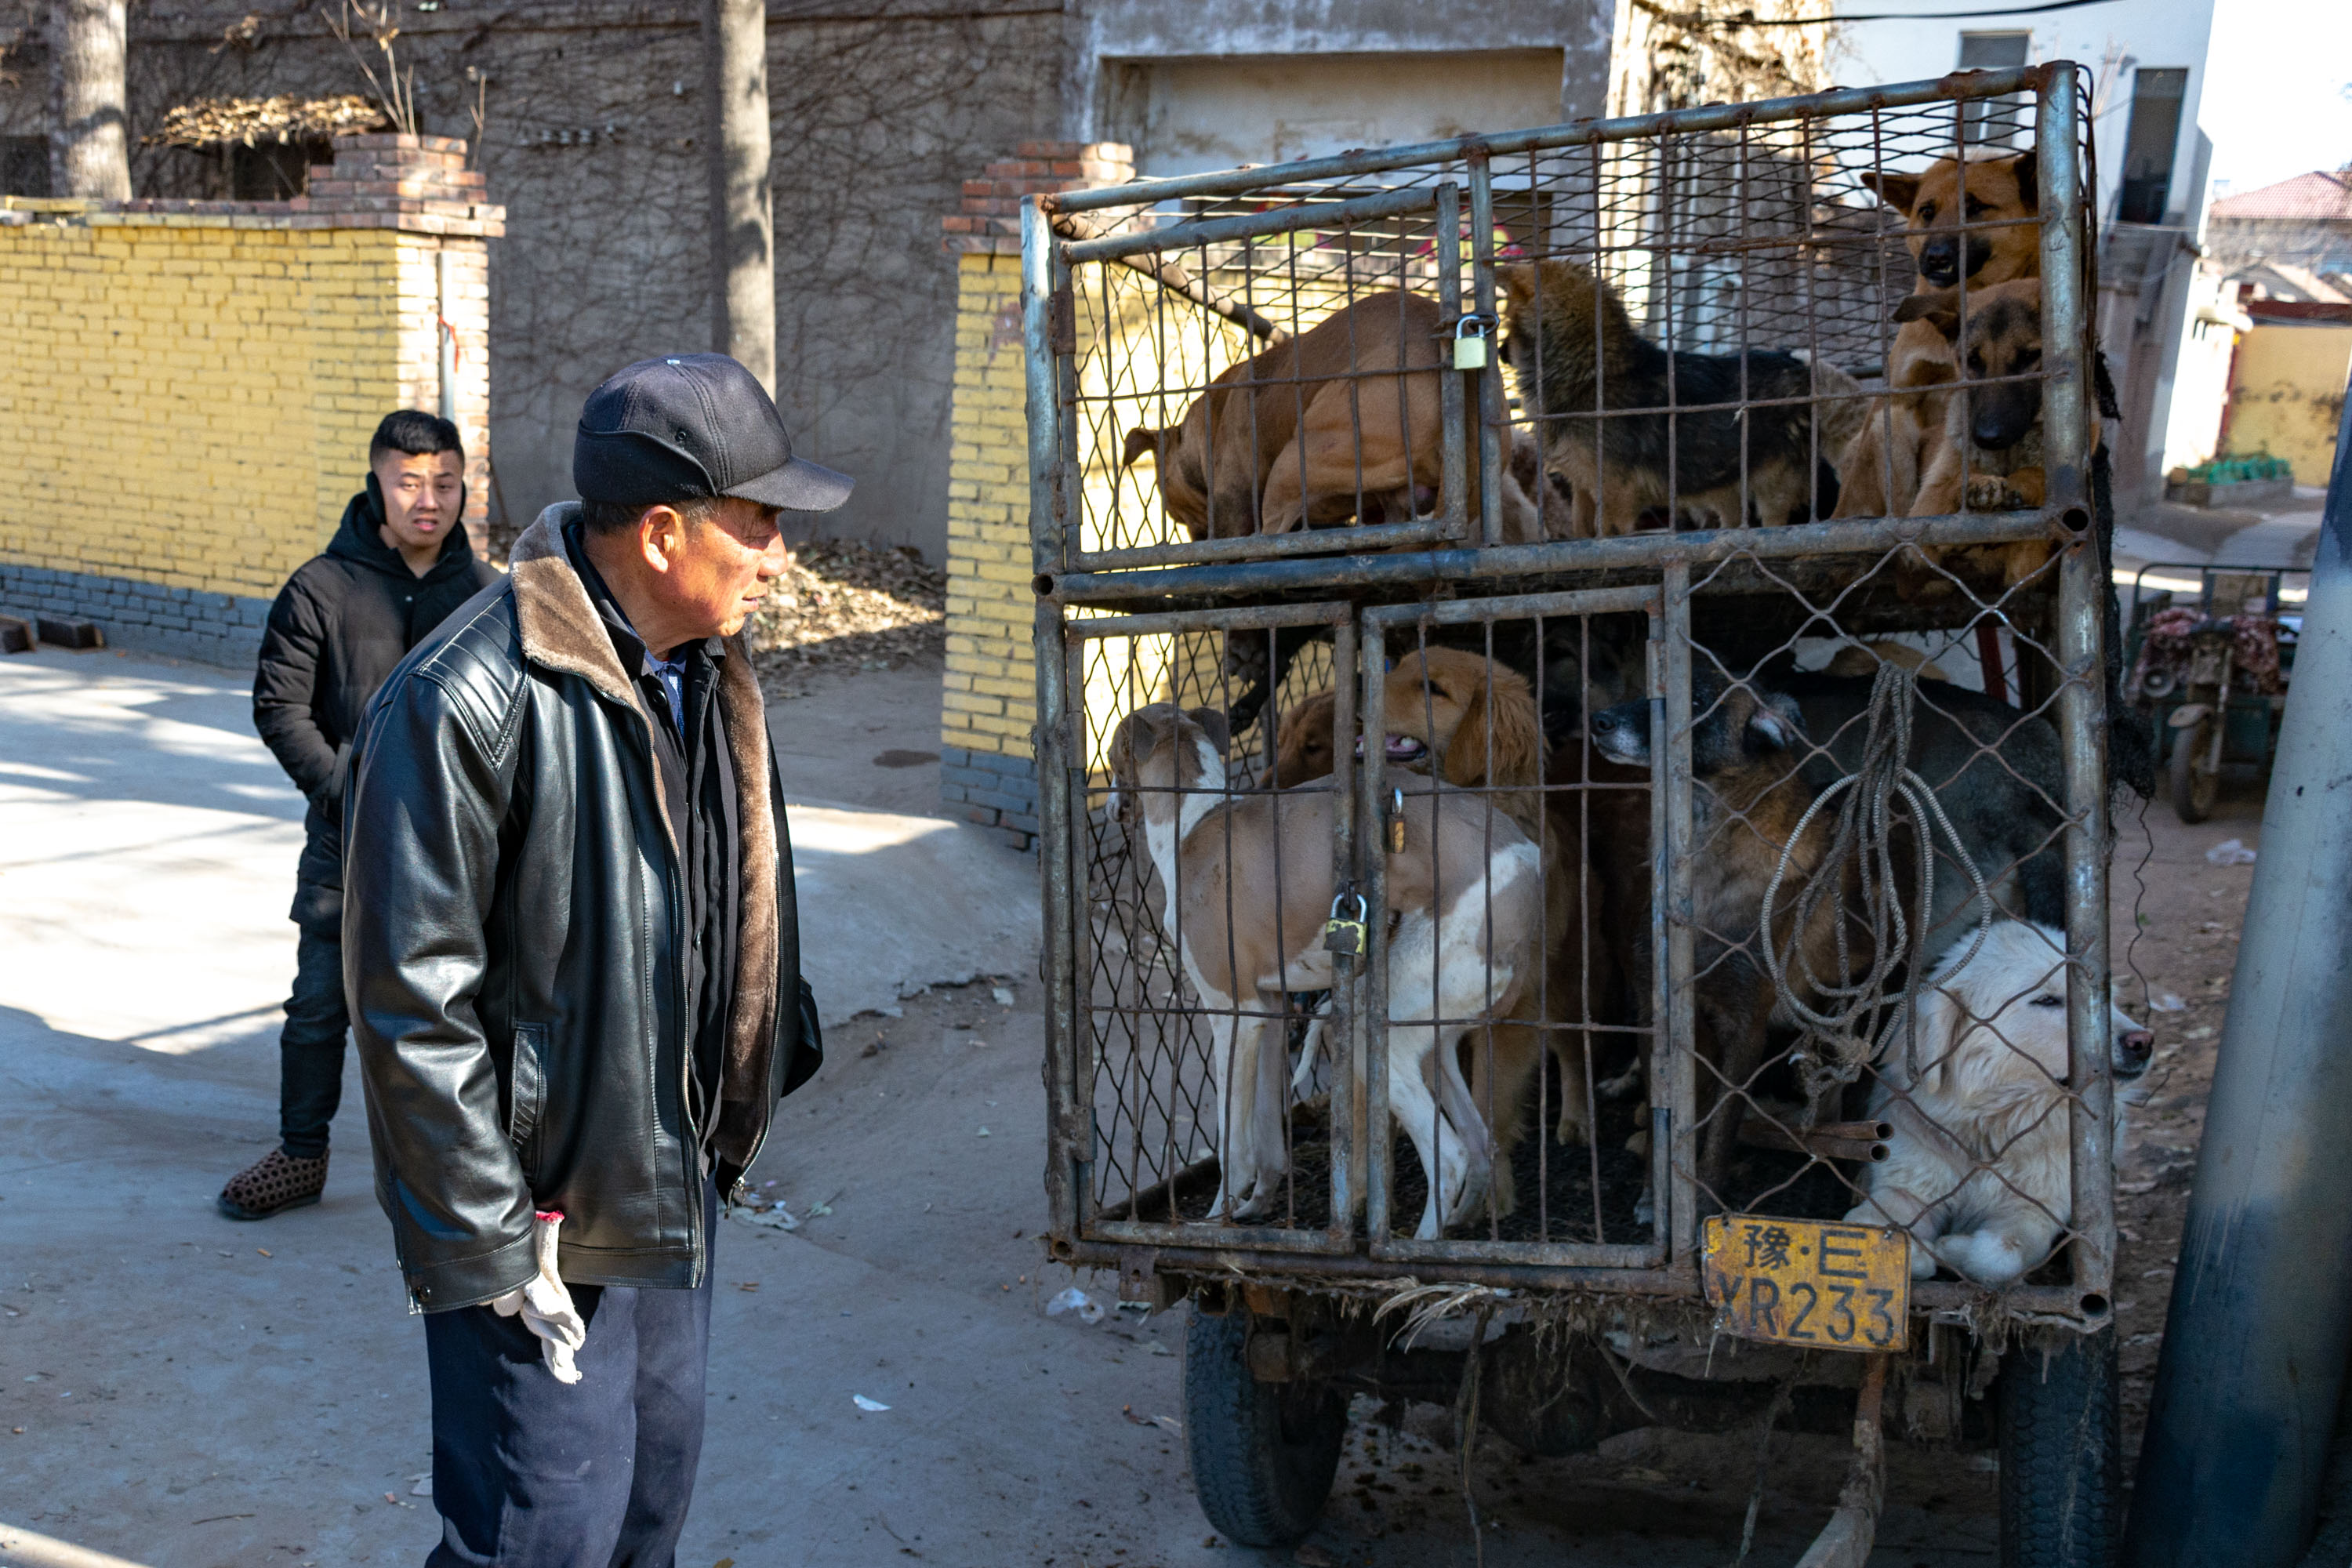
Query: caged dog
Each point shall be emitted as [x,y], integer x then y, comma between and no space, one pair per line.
[1473,722]
[1245,883]
[1340,423]
[1763,751]
[1983,446]
[1576,353]
[1879,466]
[1978,1169]
[1747,750]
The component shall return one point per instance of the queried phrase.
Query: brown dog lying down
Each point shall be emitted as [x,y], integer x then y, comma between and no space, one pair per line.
[1576,352]
[1464,897]
[1879,469]
[1341,422]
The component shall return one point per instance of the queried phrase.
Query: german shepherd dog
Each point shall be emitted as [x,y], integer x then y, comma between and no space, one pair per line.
[1575,351]
[1879,469]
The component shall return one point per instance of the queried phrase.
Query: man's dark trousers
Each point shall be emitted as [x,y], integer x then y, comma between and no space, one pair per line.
[310,1047]
[532,1473]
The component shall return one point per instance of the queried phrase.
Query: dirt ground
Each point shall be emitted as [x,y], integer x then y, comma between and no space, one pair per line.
[186,1390]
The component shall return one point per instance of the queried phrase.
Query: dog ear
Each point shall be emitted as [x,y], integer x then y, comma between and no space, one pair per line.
[1897,191]
[2028,172]
[1940,308]
[1220,734]
[1778,722]
[1500,711]
[1141,441]
[1518,278]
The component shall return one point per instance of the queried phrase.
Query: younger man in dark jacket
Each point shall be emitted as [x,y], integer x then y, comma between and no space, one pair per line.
[400,562]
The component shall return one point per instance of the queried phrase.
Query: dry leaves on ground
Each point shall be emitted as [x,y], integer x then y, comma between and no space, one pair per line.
[843,605]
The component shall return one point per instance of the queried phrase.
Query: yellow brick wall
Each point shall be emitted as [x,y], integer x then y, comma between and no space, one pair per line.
[989,701]
[189,399]
[1135,342]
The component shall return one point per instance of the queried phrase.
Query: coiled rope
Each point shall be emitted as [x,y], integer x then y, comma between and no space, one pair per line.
[1838,1042]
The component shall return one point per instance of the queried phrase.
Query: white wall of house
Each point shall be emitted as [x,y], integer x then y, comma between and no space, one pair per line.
[2200,371]
[2113,40]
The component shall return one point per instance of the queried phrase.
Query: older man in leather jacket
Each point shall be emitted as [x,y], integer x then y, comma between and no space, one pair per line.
[572,961]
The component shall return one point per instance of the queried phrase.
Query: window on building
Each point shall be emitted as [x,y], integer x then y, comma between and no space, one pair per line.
[2149,143]
[23,165]
[1998,121]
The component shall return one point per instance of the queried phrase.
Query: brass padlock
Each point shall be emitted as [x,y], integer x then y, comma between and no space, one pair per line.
[1470,350]
[1344,938]
[1394,820]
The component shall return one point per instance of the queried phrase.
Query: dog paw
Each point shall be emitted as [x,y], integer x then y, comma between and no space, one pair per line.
[1990,492]
[1986,1256]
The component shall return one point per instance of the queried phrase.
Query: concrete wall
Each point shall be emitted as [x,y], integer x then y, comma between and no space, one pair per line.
[192,387]
[1183,116]
[2286,395]
[1107,38]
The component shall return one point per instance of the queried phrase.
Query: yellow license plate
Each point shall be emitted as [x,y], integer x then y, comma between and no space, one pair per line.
[1804,1282]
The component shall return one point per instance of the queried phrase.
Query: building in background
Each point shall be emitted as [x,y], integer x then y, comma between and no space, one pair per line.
[2146,65]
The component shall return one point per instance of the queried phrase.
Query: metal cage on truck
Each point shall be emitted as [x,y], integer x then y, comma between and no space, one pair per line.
[1551,674]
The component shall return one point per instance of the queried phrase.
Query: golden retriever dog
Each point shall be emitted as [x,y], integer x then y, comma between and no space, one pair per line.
[1978,1169]
[1340,423]
[1879,467]
[1246,883]
[1453,715]
[1473,722]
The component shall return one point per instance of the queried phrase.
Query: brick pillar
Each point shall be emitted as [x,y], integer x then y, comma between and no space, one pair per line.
[987,708]
[420,186]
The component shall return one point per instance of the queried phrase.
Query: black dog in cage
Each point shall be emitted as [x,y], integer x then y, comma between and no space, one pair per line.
[1745,454]
[1762,750]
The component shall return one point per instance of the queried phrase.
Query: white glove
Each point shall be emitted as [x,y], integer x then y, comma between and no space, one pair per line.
[546,1306]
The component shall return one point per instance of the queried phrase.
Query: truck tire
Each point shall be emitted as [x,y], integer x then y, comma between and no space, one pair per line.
[2194,788]
[1263,1453]
[2060,1460]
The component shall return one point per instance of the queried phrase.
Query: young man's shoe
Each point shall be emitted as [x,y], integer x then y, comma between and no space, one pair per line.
[274,1183]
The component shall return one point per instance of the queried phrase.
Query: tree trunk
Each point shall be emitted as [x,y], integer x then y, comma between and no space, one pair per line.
[742,221]
[90,142]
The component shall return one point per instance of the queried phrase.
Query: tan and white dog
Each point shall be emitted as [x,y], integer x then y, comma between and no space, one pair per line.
[1245,887]
[1978,1168]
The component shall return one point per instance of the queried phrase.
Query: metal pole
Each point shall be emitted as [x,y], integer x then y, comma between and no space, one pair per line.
[1070,1137]
[2254,1349]
[446,329]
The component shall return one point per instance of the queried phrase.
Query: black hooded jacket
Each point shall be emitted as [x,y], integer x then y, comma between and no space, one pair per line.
[338,628]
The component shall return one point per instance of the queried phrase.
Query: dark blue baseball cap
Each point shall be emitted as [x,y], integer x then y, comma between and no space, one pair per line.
[689,425]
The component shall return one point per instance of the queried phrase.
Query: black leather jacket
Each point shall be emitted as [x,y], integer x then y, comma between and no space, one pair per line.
[512,913]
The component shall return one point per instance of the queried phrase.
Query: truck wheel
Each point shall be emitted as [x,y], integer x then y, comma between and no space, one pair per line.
[2060,1461]
[2194,787]
[1263,1453]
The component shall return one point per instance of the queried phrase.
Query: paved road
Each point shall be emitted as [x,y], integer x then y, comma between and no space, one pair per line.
[197,1393]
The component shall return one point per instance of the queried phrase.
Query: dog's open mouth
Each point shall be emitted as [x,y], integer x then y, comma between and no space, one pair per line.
[1404,748]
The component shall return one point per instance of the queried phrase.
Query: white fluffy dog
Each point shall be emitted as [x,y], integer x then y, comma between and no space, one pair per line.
[1978,1170]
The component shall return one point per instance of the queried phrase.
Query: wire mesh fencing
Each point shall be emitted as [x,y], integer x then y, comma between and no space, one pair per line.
[1573,683]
